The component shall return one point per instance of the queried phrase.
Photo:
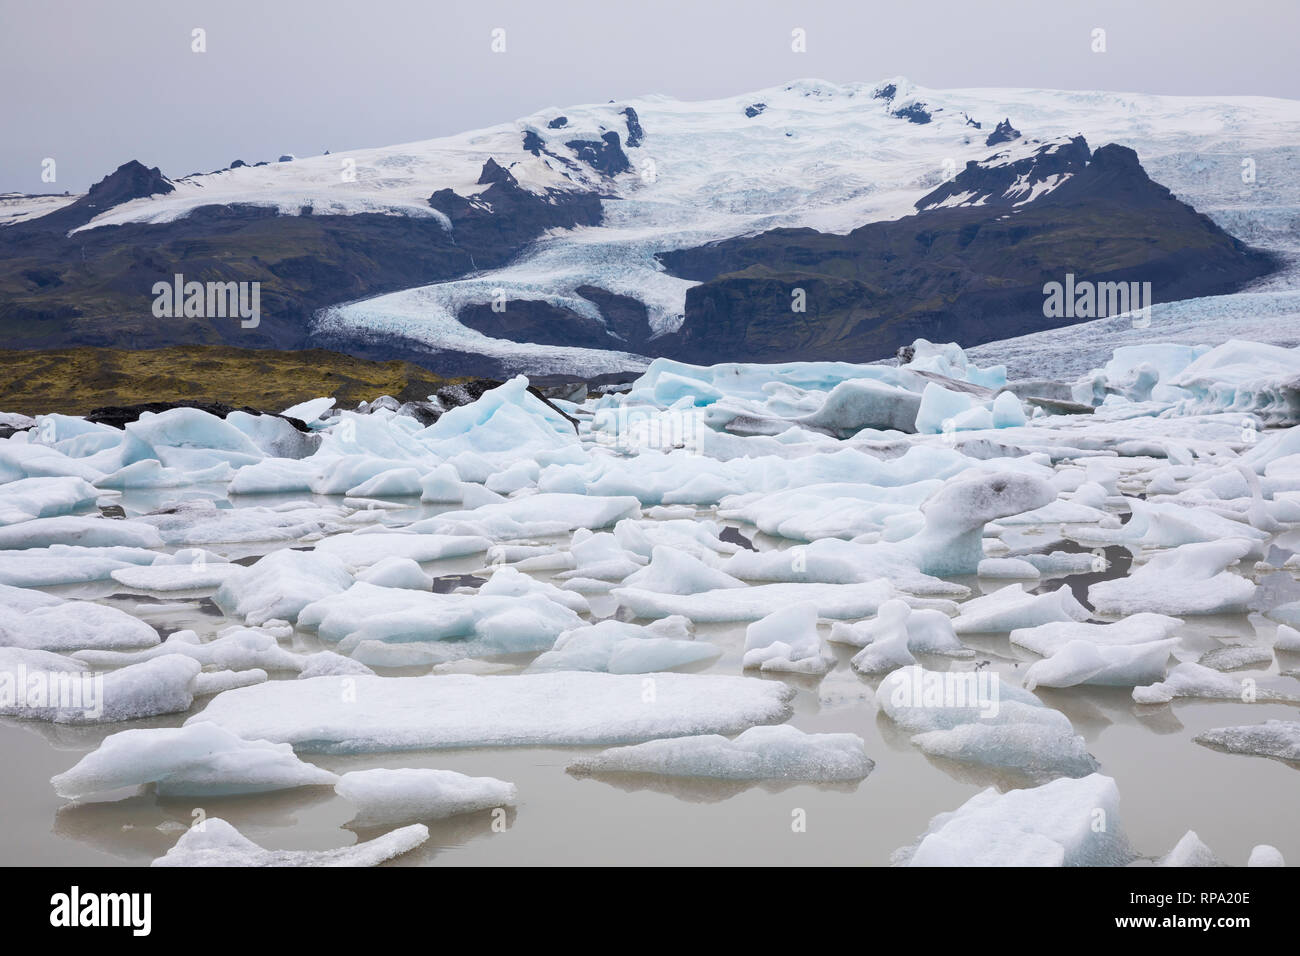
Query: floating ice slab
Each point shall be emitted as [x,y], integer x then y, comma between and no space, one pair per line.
[281,584]
[1279,739]
[199,760]
[67,564]
[1047,639]
[477,623]
[534,516]
[833,561]
[37,621]
[389,797]
[618,648]
[457,710]
[1287,640]
[237,648]
[364,549]
[187,570]
[1265,855]
[1062,823]
[1012,608]
[836,601]
[1237,657]
[44,497]
[976,717]
[39,685]
[1190,579]
[1108,665]
[778,752]
[952,541]
[674,572]
[394,572]
[1195,680]
[787,641]
[216,843]
[87,532]
[897,632]
[1190,851]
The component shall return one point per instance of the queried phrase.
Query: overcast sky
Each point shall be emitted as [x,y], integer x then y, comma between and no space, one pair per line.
[94,84]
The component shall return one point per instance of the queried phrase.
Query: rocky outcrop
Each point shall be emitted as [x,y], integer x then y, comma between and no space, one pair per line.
[1004,132]
[129,181]
[605,156]
[965,272]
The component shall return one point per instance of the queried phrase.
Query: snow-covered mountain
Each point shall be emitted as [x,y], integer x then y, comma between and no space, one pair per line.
[668,175]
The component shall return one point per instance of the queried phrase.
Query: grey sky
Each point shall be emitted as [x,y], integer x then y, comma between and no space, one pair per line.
[94,84]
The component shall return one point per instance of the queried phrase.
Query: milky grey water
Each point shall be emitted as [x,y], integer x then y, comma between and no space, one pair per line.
[1168,784]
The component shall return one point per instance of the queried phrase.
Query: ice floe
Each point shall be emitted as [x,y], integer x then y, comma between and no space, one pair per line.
[779,752]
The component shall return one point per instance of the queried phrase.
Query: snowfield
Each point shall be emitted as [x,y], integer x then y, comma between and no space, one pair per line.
[814,576]
[810,153]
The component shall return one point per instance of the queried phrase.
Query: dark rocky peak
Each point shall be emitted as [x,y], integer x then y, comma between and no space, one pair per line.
[558,123]
[1004,132]
[1115,175]
[971,122]
[494,172]
[634,131]
[886,92]
[754,109]
[533,143]
[913,113]
[129,181]
[606,156]
[1003,181]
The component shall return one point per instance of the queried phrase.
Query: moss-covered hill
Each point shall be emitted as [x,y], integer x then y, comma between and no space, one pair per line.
[76,380]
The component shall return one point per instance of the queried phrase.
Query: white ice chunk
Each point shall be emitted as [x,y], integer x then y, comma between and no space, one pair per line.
[387,797]
[458,710]
[218,843]
[778,752]
[1052,825]
[198,760]
[1190,579]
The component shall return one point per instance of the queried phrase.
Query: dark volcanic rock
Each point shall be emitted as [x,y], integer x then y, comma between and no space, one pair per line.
[558,123]
[634,131]
[533,143]
[1004,132]
[493,172]
[129,181]
[969,273]
[754,109]
[996,182]
[119,415]
[605,157]
[494,225]
[625,317]
[886,92]
[916,113]
[535,320]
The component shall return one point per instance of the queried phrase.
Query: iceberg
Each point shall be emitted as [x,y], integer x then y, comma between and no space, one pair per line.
[1068,822]
[461,710]
[389,797]
[779,752]
[214,842]
[199,760]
